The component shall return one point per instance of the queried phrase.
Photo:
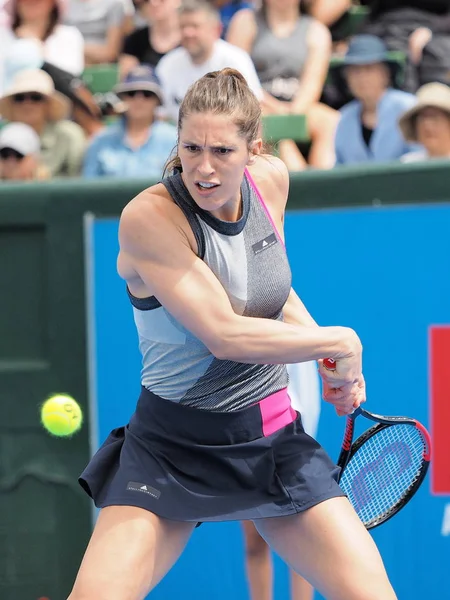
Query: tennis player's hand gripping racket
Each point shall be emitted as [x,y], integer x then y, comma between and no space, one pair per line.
[383,469]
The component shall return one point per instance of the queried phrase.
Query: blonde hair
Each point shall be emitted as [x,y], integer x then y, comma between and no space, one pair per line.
[224,92]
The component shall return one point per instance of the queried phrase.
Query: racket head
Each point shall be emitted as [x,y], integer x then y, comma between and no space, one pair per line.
[385,467]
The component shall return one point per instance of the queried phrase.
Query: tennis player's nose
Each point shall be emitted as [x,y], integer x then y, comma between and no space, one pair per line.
[205,167]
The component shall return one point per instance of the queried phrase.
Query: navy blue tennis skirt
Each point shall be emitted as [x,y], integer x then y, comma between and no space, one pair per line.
[193,465]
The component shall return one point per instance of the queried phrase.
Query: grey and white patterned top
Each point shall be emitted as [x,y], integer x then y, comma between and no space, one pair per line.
[250,261]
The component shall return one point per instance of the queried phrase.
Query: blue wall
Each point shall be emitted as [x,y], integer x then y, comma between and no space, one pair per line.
[383,271]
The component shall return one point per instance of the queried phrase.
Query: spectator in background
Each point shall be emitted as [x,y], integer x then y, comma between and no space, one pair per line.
[202,51]
[101,23]
[19,154]
[291,53]
[161,34]
[31,99]
[368,130]
[139,144]
[420,29]
[428,123]
[61,45]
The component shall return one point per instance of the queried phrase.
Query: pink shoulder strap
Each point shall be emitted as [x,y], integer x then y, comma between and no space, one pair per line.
[263,204]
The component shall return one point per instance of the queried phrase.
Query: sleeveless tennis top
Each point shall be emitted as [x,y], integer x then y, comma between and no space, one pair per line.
[279,62]
[249,259]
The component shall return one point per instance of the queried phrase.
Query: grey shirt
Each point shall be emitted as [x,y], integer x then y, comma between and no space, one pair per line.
[95,17]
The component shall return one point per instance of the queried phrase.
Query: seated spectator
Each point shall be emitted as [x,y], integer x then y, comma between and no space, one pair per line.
[138,145]
[61,45]
[291,52]
[368,130]
[428,123]
[150,43]
[202,51]
[420,29]
[31,99]
[101,23]
[27,54]
[19,154]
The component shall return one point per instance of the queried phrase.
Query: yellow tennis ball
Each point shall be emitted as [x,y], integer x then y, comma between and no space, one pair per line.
[61,415]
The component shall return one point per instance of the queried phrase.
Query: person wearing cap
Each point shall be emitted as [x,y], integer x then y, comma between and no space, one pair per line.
[31,98]
[368,128]
[428,123]
[19,154]
[41,20]
[139,144]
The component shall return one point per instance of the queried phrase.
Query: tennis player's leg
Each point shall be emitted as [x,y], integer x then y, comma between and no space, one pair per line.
[300,588]
[332,549]
[130,551]
[258,563]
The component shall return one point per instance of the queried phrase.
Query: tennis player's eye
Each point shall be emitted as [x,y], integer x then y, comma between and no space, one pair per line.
[223,151]
[192,148]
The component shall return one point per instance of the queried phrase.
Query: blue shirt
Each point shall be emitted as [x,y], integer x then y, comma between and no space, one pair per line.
[109,155]
[228,11]
[386,143]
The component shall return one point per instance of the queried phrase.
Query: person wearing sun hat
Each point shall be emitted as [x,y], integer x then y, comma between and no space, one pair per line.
[428,123]
[368,128]
[139,143]
[31,98]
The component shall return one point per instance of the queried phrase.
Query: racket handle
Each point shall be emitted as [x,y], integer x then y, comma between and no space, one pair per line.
[330,364]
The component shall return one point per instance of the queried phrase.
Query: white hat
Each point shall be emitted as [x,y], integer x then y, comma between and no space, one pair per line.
[35,80]
[21,138]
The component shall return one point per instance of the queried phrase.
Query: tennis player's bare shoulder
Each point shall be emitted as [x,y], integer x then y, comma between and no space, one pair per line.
[151,216]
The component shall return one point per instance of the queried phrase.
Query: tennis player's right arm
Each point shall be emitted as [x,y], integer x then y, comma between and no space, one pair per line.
[156,248]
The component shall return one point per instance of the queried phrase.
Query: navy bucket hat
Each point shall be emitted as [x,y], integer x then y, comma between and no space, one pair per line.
[366,49]
[141,78]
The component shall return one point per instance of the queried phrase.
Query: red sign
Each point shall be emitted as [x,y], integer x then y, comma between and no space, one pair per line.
[440,408]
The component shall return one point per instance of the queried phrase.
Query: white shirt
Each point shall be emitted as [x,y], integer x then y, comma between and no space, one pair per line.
[177,72]
[64,48]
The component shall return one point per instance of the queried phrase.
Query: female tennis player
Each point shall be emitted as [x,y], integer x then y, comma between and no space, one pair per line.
[214,436]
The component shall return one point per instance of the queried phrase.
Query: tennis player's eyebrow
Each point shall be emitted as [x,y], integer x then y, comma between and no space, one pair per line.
[212,146]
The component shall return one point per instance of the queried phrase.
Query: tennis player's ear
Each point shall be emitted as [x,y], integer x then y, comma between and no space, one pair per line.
[255,150]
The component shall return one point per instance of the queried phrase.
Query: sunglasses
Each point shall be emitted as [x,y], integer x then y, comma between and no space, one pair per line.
[145,93]
[31,96]
[6,153]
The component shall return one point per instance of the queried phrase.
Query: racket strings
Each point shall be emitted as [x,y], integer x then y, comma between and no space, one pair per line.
[382,471]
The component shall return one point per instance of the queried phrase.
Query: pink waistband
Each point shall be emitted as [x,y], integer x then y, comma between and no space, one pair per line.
[276,412]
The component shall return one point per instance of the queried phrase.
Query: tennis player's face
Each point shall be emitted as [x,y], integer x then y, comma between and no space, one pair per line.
[213,156]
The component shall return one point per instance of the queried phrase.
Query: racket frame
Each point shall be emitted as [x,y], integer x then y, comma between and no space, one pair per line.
[350,448]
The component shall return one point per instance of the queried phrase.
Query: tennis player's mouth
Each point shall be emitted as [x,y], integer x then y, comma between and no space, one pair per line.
[206,186]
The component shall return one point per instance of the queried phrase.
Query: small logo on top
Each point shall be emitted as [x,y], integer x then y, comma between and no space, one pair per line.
[264,244]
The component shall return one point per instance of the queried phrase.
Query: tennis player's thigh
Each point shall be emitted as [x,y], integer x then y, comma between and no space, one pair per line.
[130,551]
[330,547]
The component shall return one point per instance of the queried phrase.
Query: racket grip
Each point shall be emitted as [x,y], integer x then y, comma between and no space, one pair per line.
[330,364]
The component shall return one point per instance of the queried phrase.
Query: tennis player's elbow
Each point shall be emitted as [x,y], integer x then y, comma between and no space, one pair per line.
[226,342]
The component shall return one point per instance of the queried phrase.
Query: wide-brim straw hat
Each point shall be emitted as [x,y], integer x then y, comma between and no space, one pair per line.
[35,80]
[430,95]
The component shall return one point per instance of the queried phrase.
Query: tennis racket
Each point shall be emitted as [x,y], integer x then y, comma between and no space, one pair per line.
[383,469]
